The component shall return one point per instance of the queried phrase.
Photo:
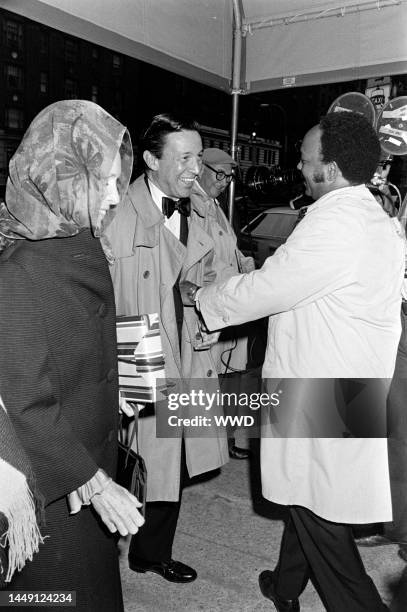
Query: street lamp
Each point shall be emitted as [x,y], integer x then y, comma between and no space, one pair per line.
[268,106]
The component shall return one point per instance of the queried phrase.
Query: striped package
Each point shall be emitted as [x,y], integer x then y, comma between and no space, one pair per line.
[141,358]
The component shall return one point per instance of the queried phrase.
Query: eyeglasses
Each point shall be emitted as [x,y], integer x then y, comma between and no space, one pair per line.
[220,175]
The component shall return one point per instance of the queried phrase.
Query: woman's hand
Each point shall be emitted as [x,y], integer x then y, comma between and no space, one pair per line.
[118,509]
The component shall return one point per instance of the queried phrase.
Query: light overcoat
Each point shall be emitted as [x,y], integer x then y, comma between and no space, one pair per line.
[228,261]
[333,294]
[148,261]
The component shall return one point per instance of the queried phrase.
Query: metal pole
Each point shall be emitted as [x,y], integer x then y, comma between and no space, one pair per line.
[236,68]
[233,151]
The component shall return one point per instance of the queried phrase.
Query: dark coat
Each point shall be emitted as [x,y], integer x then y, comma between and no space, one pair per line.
[58,379]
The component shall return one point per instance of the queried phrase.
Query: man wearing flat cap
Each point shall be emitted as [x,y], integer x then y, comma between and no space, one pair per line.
[230,353]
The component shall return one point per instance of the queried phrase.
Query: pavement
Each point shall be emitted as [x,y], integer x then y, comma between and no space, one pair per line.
[229,533]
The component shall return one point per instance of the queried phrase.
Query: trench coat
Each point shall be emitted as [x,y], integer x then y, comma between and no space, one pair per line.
[333,295]
[227,262]
[58,378]
[148,261]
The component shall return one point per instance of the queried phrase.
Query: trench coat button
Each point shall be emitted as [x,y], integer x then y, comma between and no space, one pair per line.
[146,274]
[209,373]
[111,375]
[220,233]
[225,319]
[197,336]
[102,310]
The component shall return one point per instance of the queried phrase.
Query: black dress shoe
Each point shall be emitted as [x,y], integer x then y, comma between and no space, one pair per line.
[374,540]
[235,452]
[173,571]
[267,588]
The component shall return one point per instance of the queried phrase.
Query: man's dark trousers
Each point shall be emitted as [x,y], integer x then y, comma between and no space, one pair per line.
[325,551]
[153,542]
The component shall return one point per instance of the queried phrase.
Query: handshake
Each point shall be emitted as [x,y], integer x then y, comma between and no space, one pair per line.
[204,339]
[188,292]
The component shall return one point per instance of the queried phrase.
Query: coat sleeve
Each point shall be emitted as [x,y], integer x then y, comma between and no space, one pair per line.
[317,259]
[61,462]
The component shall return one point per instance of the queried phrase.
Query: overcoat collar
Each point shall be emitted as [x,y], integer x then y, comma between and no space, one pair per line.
[147,232]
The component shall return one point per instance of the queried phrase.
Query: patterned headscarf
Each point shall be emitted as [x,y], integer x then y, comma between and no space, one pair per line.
[54,187]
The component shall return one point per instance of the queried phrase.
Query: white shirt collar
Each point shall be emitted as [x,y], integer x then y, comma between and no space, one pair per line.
[174,222]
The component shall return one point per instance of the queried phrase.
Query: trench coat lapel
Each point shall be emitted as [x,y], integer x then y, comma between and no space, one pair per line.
[199,244]
[175,258]
[172,254]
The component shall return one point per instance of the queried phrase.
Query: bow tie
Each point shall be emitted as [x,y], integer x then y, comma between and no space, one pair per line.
[183,205]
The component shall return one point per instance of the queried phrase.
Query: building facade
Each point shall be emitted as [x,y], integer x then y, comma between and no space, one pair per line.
[40,65]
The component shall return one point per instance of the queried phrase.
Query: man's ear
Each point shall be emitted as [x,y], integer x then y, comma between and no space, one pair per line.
[150,160]
[332,171]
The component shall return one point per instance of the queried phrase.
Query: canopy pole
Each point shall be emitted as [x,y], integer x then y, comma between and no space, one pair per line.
[236,91]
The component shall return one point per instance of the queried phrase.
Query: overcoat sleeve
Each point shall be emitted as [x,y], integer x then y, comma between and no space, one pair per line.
[317,259]
[61,462]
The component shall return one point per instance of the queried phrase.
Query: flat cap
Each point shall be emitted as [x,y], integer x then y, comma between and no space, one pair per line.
[217,156]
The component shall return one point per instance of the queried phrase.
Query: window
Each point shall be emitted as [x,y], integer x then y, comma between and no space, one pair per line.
[71,89]
[43,42]
[71,51]
[118,100]
[3,163]
[14,77]
[13,34]
[95,92]
[117,62]
[10,150]
[43,82]
[14,118]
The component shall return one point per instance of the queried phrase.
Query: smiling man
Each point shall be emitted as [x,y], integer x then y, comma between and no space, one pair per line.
[158,239]
[332,293]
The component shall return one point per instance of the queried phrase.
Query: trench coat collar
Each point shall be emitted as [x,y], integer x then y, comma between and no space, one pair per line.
[147,233]
[149,213]
[199,200]
[205,205]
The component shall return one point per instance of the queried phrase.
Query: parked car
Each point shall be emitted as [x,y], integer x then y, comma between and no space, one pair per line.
[267,231]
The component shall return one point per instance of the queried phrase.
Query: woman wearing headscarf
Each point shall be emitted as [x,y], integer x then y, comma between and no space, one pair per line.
[58,362]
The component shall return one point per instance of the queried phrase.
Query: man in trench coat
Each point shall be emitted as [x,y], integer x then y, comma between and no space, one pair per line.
[150,257]
[230,352]
[333,295]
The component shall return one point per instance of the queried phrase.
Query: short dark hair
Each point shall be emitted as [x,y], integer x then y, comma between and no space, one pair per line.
[348,139]
[154,137]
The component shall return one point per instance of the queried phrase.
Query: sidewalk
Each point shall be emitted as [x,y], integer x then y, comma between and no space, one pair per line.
[229,534]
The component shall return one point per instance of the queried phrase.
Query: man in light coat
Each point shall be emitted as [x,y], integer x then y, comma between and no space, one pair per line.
[333,294]
[230,352]
[152,252]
